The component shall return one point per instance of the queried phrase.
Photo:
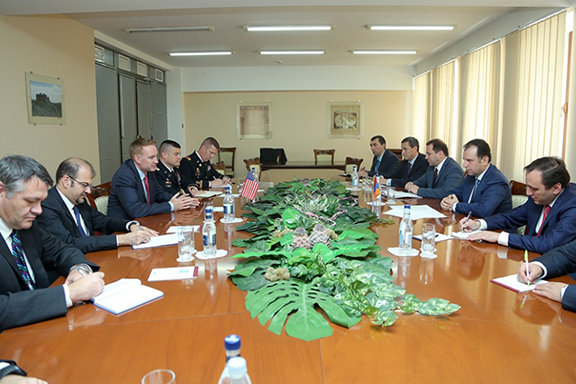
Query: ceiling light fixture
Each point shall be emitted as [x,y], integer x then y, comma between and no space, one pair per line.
[287,28]
[409,27]
[291,52]
[214,53]
[170,29]
[384,52]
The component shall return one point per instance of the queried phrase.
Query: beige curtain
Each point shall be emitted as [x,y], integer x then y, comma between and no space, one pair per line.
[421,109]
[442,102]
[480,117]
[533,94]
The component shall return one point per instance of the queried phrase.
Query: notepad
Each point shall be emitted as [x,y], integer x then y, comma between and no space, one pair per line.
[511,282]
[125,294]
[175,273]
[464,235]
[158,241]
[206,194]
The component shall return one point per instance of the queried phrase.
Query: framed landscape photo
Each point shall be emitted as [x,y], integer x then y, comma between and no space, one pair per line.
[345,119]
[45,99]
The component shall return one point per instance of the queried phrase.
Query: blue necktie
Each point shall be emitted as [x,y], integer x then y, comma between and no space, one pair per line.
[473,192]
[77,214]
[20,262]
[377,166]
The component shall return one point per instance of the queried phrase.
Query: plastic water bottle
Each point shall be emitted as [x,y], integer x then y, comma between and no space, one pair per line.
[254,173]
[232,347]
[406,231]
[229,205]
[354,177]
[209,233]
[235,372]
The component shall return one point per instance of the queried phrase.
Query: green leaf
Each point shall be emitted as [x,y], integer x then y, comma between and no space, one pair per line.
[248,267]
[290,217]
[250,283]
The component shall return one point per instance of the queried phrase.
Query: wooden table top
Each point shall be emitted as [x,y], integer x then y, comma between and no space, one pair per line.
[303,165]
[492,338]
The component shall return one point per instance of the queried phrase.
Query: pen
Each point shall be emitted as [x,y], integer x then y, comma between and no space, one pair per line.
[527,267]
[468,217]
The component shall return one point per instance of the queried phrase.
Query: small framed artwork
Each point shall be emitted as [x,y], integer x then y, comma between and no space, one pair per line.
[253,120]
[45,98]
[345,119]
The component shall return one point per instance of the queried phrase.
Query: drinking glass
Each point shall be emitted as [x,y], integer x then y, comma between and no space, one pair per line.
[428,239]
[185,243]
[391,195]
[159,376]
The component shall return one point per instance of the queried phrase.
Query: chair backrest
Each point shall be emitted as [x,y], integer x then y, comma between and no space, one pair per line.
[254,162]
[221,167]
[228,156]
[102,204]
[397,152]
[518,198]
[324,156]
[517,187]
[97,191]
[350,162]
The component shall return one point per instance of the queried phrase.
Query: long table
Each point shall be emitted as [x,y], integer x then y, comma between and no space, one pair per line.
[497,336]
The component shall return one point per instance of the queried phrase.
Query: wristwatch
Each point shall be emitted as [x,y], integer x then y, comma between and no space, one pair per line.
[10,368]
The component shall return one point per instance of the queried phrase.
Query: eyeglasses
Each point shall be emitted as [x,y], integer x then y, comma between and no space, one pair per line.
[84,185]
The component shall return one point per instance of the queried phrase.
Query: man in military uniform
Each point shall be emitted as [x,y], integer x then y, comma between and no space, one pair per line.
[197,167]
[167,173]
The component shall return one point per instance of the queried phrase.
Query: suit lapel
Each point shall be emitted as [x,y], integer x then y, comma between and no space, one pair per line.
[33,258]
[84,212]
[140,187]
[7,254]
[64,208]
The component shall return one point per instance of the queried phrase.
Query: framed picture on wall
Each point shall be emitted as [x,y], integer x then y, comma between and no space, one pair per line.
[45,99]
[253,120]
[345,119]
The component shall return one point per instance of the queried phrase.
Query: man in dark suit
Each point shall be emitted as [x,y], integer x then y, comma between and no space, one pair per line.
[549,213]
[384,162]
[135,191]
[167,174]
[197,167]
[485,190]
[28,253]
[443,173]
[411,168]
[557,262]
[67,215]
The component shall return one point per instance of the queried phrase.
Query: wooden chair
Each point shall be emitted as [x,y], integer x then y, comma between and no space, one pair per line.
[397,152]
[351,161]
[98,197]
[518,198]
[228,156]
[254,162]
[220,166]
[324,156]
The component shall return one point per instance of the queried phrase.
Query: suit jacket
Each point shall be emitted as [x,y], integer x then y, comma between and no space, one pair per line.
[172,182]
[127,197]
[401,176]
[388,165]
[492,196]
[198,171]
[561,261]
[57,219]
[450,177]
[557,230]
[45,253]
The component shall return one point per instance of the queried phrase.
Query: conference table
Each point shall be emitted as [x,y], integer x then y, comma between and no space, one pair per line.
[498,336]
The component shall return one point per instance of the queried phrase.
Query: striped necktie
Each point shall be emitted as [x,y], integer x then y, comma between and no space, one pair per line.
[20,262]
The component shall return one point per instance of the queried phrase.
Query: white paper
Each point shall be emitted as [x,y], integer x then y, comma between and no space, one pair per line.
[176,228]
[406,195]
[159,241]
[177,273]
[417,212]
[439,237]
[464,235]
[207,194]
[512,283]
[125,294]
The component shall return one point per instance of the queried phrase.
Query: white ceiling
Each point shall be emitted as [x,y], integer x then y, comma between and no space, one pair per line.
[349,18]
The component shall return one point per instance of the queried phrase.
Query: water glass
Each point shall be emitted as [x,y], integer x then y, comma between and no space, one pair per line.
[159,376]
[391,195]
[428,239]
[185,243]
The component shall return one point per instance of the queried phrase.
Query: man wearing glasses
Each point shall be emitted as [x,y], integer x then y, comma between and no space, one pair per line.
[67,215]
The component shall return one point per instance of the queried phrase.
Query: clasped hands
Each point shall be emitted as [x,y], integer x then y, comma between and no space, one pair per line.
[412,188]
[448,202]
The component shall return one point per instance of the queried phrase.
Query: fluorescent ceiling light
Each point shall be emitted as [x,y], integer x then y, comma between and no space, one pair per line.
[384,52]
[285,28]
[291,52]
[170,29]
[410,27]
[215,53]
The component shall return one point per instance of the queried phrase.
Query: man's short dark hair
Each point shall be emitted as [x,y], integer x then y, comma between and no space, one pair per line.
[137,145]
[167,144]
[438,145]
[17,170]
[553,171]
[380,138]
[482,148]
[412,142]
[210,142]
[71,166]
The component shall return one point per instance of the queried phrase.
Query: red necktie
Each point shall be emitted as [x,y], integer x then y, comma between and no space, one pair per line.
[546,210]
[147,188]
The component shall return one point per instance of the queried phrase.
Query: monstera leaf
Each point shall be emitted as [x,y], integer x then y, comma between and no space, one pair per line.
[295,301]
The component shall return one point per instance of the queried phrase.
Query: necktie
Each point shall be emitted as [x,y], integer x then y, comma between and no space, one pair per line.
[20,262]
[546,210]
[78,222]
[473,191]
[409,169]
[435,177]
[147,188]
[377,167]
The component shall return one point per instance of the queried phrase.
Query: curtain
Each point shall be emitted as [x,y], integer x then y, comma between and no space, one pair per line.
[442,108]
[421,108]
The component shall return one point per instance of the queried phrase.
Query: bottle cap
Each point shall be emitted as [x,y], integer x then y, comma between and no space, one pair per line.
[232,342]
[237,367]
[228,189]
[407,206]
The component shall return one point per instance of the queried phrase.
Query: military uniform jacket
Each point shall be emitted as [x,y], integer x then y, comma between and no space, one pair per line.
[172,182]
[200,172]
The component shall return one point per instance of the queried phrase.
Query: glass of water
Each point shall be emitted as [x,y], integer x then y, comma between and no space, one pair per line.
[428,239]
[391,195]
[185,243]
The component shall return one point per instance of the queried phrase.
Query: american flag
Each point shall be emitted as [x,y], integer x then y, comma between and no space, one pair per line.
[250,187]
[376,191]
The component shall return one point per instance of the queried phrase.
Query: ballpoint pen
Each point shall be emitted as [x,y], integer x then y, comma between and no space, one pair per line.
[527,267]
[468,217]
